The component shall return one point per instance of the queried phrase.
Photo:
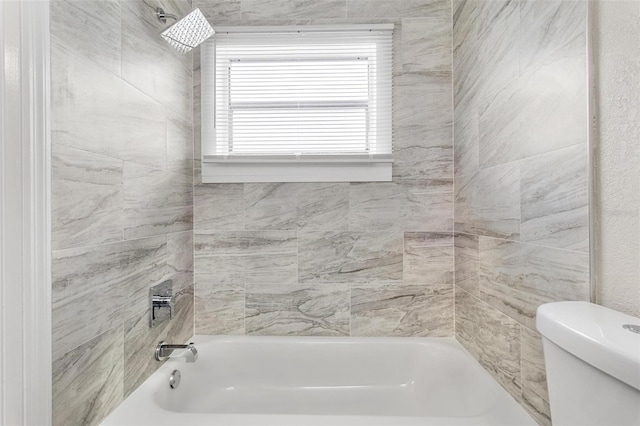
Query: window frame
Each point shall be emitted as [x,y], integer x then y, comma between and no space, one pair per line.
[289,167]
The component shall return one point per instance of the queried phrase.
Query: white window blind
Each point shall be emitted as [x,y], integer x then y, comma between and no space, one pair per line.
[296,95]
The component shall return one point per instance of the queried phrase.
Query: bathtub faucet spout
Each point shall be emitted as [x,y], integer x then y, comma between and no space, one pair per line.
[165,350]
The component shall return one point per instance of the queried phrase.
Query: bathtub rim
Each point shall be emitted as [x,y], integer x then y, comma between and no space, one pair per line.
[129,411]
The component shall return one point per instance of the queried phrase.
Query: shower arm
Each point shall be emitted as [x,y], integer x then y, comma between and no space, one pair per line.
[162,17]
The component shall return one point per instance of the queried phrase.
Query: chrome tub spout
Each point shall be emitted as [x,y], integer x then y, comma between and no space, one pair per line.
[165,350]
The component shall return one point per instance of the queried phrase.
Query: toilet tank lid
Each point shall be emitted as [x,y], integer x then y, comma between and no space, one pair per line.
[596,335]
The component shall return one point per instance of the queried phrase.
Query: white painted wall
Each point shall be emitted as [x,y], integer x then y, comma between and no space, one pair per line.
[617,67]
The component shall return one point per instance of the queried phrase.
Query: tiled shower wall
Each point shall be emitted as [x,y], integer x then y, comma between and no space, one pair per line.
[122,196]
[340,259]
[521,184]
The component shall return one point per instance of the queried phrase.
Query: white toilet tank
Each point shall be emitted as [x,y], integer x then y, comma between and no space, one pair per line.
[592,363]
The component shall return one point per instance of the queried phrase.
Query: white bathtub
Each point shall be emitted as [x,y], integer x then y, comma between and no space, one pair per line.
[322,381]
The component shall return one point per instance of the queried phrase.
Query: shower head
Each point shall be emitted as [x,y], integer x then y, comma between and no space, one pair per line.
[187,32]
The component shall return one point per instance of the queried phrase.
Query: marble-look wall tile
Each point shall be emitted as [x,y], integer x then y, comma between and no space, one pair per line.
[312,206]
[428,258]
[390,309]
[555,199]
[395,8]
[180,252]
[422,153]
[209,243]
[464,28]
[422,100]
[180,259]
[488,202]
[94,110]
[320,9]
[250,268]
[533,370]
[411,205]
[376,205]
[123,161]
[537,112]
[87,204]
[355,257]
[220,12]
[543,122]
[538,408]
[230,269]
[557,113]
[516,278]
[520,179]
[491,15]
[180,143]
[120,273]
[267,9]
[156,201]
[466,136]
[497,59]
[499,125]
[466,52]
[337,243]
[299,309]
[492,337]
[548,26]
[219,207]
[219,307]
[426,45]
[467,252]
[535,395]
[247,257]
[88,380]
[168,80]
[140,341]
[91,29]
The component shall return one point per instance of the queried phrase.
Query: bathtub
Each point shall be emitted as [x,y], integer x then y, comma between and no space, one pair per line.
[322,381]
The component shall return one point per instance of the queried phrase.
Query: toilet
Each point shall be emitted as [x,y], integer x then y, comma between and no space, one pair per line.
[592,357]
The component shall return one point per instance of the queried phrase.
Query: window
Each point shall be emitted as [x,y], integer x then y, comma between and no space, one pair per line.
[297,104]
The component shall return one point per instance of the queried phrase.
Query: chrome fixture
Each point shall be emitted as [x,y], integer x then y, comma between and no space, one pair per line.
[162,17]
[161,303]
[174,379]
[632,328]
[187,32]
[165,350]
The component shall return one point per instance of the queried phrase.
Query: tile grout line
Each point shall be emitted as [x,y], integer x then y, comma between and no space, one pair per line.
[453,159]
[522,242]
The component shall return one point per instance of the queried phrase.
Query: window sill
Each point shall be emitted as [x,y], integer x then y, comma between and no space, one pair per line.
[235,172]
